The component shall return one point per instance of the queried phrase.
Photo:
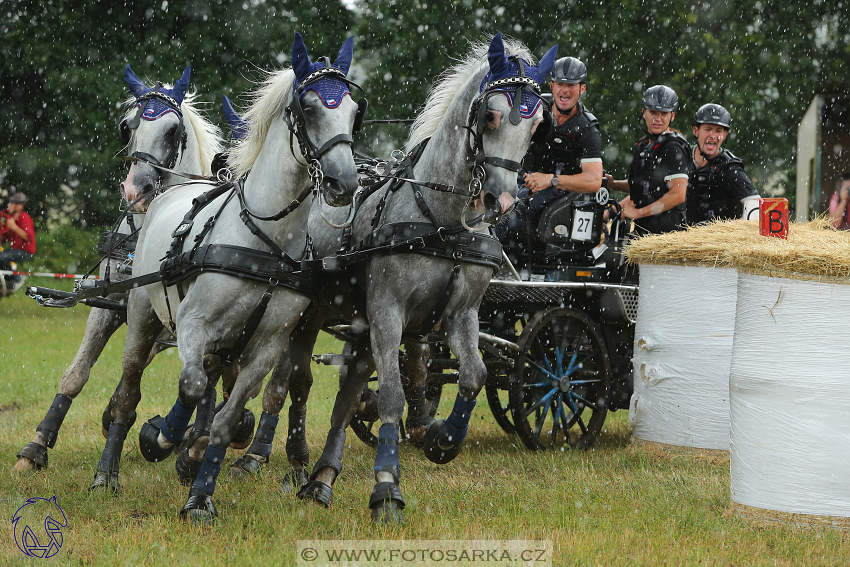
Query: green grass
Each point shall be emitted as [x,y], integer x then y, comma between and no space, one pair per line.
[617,504]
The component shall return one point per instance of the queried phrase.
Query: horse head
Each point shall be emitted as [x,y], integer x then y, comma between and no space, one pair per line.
[323,116]
[154,132]
[503,118]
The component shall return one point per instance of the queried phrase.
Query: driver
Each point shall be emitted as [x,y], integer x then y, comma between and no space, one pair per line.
[570,160]
[718,186]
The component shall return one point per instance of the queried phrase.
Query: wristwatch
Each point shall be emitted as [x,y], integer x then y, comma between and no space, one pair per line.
[555,181]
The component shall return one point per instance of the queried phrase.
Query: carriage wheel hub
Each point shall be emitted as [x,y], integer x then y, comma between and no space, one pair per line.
[564,384]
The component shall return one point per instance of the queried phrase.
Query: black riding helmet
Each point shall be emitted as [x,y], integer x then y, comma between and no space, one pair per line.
[713,114]
[568,70]
[661,98]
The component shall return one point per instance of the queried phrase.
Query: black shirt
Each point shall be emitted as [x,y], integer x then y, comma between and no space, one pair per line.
[716,190]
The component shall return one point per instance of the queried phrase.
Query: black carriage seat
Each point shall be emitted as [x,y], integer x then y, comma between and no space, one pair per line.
[569,230]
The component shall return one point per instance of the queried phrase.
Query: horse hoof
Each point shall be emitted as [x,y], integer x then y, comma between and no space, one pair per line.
[148,443]
[32,458]
[387,503]
[245,467]
[294,480]
[437,448]
[104,481]
[245,432]
[187,468]
[318,492]
[199,510]
[387,512]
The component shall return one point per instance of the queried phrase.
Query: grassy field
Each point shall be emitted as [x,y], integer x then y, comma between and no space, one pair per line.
[617,504]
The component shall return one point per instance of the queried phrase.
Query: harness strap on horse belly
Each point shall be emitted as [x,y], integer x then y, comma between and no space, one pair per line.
[437,314]
[233,353]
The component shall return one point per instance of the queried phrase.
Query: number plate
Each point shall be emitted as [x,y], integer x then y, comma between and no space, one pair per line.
[582,226]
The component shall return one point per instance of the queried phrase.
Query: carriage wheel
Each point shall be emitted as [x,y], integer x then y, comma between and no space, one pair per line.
[497,390]
[560,379]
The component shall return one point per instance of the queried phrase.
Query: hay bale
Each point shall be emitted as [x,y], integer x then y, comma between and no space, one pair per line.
[813,250]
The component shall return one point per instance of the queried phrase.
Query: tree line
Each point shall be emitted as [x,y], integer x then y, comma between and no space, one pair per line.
[62,88]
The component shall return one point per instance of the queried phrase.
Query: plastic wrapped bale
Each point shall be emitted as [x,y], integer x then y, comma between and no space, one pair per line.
[684,334]
[682,354]
[790,381]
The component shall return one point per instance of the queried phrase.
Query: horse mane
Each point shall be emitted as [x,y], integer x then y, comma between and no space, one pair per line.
[450,83]
[268,100]
[207,135]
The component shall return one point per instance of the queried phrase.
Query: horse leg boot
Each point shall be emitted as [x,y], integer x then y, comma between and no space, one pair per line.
[444,437]
[199,507]
[320,486]
[386,501]
[189,459]
[260,450]
[158,437]
[100,326]
[299,383]
[141,333]
[107,468]
[297,451]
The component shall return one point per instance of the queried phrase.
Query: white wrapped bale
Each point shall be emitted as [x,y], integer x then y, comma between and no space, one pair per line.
[790,401]
[682,354]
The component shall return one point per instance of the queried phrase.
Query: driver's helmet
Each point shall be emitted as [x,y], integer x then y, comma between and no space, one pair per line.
[568,70]
[712,114]
[660,98]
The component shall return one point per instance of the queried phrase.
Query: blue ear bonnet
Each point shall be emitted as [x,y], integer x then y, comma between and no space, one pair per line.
[156,108]
[530,101]
[330,89]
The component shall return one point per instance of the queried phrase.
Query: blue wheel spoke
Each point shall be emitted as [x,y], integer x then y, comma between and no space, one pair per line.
[545,371]
[583,382]
[541,401]
[541,418]
[586,402]
[538,385]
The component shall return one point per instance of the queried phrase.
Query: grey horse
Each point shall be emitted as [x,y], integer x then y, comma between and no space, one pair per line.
[476,125]
[236,309]
[175,135]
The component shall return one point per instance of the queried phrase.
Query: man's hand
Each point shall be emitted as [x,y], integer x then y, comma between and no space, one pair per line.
[629,209]
[537,181]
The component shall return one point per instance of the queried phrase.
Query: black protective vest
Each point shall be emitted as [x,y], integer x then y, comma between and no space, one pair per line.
[646,177]
[708,196]
[565,145]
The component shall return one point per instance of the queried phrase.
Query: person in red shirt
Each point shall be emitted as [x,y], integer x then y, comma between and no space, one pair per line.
[16,229]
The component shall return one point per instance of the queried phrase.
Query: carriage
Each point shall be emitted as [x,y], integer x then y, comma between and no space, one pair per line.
[556,330]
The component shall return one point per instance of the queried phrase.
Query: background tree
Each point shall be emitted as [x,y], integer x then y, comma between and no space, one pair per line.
[61,70]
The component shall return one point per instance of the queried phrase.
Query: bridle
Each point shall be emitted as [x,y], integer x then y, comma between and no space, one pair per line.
[477,124]
[178,141]
[297,124]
